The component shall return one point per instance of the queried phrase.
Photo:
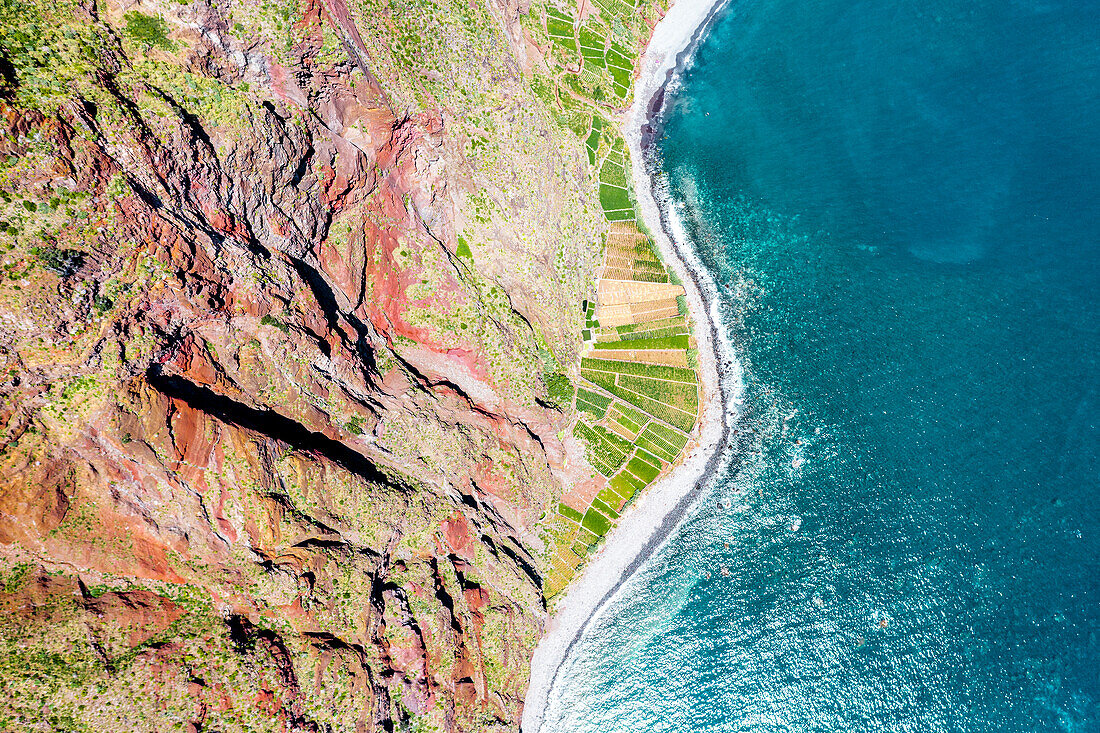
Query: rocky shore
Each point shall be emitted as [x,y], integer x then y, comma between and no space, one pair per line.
[649,521]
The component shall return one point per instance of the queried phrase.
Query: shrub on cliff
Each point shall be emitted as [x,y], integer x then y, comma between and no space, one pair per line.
[45,52]
[61,262]
[148,30]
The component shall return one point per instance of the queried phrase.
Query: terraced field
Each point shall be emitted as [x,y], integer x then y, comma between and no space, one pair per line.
[591,49]
[639,400]
[638,394]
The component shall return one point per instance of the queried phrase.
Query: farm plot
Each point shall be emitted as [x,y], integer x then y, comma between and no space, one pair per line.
[670,408]
[620,8]
[672,374]
[593,45]
[593,403]
[637,404]
[667,393]
[633,330]
[614,194]
[662,441]
[559,26]
[592,143]
[657,357]
[604,450]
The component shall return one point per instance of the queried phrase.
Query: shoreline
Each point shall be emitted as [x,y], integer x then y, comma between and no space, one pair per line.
[650,521]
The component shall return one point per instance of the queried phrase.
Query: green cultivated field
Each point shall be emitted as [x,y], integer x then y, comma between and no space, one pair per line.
[633,418]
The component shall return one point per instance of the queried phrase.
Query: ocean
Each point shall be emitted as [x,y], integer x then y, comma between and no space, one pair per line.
[899,205]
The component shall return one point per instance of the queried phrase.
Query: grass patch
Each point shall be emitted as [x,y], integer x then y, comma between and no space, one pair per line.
[648,458]
[604,509]
[592,144]
[593,56]
[559,27]
[625,485]
[463,249]
[620,80]
[611,499]
[147,30]
[620,215]
[591,39]
[616,57]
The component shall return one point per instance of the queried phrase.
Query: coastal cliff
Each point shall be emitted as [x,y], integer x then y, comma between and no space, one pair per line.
[291,310]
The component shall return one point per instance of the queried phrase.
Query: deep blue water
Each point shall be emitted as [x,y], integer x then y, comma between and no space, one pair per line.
[899,201]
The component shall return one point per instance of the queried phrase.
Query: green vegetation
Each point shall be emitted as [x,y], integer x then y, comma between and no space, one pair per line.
[61,262]
[612,172]
[618,398]
[46,50]
[270,320]
[559,27]
[596,522]
[463,250]
[614,199]
[653,371]
[643,470]
[671,407]
[679,395]
[558,388]
[567,511]
[148,30]
[626,485]
[655,333]
[592,144]
[587,536]
[611,499]
[604,509]
[595,400]
[666,342]
[662,441]
[630,419]
[605,450]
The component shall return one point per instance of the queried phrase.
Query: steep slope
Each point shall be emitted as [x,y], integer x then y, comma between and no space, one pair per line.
[290,303]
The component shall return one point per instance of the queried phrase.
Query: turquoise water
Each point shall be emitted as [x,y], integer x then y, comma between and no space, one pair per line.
[899,204]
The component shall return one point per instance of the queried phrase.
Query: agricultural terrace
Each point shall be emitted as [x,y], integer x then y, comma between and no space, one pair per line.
[637,399]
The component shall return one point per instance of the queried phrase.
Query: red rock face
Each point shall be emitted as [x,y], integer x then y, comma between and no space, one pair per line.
[242,478]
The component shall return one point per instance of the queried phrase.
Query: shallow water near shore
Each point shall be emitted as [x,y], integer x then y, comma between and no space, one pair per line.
[899,205]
